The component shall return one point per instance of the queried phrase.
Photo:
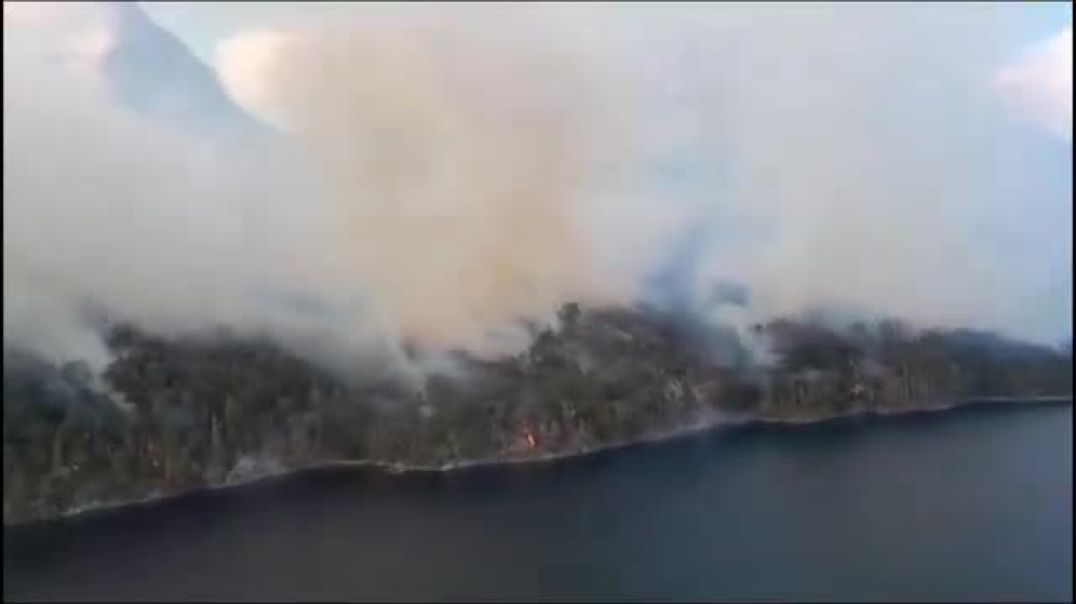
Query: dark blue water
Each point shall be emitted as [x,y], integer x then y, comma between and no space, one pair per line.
[973,504]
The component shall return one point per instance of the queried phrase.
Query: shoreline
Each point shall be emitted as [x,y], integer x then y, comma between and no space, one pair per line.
[911,410]
[715,421]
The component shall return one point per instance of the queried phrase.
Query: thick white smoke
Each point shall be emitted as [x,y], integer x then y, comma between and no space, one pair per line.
[441,174]
[104,209]
[860,157]
[426,189]
[458,154]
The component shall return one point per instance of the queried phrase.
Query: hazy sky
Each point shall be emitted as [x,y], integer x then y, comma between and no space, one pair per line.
[972,93]
[203,26]
[480,163]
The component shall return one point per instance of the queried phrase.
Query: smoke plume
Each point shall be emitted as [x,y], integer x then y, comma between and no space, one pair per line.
[457,157]
[424,188]
[432,179]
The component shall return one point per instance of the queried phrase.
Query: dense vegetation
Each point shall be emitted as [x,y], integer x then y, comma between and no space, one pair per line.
[174,414]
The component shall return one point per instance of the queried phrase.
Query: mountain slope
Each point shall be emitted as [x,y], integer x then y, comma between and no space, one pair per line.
[154,73]
[170,415]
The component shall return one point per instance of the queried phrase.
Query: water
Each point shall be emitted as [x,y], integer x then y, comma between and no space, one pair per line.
[970,504]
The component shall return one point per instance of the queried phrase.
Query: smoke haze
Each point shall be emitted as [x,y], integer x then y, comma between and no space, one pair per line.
[433,177]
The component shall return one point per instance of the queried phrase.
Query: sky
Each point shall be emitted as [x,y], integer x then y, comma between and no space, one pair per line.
[433,173]
[204,26]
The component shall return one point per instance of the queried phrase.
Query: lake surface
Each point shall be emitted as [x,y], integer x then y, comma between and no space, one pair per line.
[971,504]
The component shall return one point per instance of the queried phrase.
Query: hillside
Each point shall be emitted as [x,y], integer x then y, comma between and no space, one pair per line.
[171,415]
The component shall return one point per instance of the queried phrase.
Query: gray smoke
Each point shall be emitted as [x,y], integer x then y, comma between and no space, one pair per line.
[437,178]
